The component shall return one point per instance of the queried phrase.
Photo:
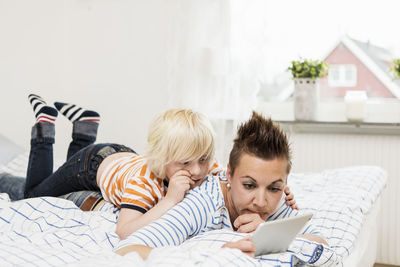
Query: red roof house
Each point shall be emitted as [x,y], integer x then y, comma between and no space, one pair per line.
[355,65]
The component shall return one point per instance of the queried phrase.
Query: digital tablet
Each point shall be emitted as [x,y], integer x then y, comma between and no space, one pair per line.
[276,236]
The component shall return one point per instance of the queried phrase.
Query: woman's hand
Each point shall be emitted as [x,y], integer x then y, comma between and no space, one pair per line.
[290,201]
[178,185]
[245,245]
[247,223]
[143,251]
[314,238]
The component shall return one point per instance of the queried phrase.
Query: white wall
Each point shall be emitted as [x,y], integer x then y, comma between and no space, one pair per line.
[100,54]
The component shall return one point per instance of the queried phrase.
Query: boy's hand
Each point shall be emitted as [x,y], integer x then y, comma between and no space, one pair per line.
[290,201]
[245,245]
[178,185]
[247,223]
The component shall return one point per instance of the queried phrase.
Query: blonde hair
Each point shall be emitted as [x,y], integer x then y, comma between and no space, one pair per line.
[178,135]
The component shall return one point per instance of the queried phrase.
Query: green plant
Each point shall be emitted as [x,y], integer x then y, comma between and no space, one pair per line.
[304,68]
[395,68]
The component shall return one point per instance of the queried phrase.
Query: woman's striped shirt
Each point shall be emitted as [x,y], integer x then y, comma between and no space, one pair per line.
[203,209]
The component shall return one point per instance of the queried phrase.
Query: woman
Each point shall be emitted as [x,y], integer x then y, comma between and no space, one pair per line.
[252,193]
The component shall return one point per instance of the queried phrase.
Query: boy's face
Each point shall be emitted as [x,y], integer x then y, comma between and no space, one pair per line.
[196,170]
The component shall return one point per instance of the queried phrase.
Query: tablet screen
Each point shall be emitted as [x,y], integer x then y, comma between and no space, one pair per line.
[276,236]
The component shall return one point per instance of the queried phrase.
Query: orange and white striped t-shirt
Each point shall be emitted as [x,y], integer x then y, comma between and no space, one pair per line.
[216,169]
[128,183]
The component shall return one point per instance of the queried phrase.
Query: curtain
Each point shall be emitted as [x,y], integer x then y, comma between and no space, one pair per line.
[215,61]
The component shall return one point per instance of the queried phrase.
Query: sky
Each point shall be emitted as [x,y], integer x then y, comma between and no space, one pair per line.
[290,29]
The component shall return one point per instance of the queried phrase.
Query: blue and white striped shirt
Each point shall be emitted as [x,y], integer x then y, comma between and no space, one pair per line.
[203,209]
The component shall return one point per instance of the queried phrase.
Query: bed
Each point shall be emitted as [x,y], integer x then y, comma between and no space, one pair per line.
[51,231]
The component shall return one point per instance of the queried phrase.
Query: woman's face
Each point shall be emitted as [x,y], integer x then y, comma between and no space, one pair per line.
[256,186]
[196,170]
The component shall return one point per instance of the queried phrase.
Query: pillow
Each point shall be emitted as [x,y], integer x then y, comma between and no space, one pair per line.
[9,150]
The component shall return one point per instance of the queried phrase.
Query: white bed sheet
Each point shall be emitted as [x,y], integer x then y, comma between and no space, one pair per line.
[51,231]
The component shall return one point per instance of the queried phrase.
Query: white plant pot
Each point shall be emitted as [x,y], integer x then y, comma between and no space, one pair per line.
[306,98]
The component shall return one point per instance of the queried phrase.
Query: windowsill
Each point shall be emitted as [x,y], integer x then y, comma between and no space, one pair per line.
[380,118]
[340,127]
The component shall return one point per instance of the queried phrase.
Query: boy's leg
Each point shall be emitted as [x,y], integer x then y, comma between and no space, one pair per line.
[40,163]
[83,134]
[85,125]
[12,185]
[77,174]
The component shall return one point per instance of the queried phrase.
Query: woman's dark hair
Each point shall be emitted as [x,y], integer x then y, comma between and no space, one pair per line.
[262,138]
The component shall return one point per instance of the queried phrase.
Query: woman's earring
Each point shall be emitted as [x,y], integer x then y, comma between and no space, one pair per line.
[228,185]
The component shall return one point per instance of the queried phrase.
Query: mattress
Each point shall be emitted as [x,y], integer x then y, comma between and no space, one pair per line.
[364,251]
[51,231]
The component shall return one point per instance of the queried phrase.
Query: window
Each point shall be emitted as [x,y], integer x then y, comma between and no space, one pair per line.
[357,49]
[342,75]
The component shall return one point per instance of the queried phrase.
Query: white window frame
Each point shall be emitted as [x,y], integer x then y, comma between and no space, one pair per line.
[342,81]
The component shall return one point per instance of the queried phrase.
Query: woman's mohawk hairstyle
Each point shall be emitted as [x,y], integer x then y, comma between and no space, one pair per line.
[261,137]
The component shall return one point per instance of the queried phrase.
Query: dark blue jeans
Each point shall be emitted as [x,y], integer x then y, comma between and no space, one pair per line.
[14,186]
[76,174]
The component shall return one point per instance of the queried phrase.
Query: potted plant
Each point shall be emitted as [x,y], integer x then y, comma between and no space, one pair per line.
[395,68]
[306,74]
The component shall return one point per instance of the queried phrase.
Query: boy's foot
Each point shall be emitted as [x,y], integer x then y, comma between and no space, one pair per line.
[43,113]
[75,113]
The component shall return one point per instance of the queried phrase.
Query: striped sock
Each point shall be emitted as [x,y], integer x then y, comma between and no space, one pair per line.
[43,113]
[75,113]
